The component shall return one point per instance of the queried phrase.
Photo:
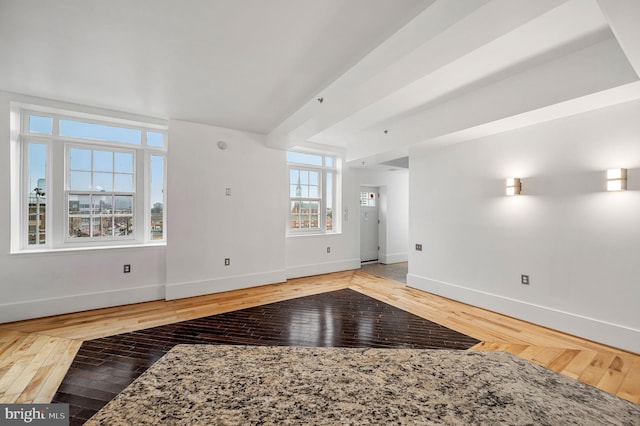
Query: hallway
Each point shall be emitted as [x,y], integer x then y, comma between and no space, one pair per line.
[392,271]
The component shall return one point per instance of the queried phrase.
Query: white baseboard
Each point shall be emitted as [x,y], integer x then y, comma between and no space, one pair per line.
[615,335]
[218,285]
[322,268]
[388,259]
[79,302]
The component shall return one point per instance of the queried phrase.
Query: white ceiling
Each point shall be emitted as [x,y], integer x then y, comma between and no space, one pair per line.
[395,76]
[243,64]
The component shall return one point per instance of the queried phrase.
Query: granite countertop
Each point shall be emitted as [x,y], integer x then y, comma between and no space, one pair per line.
[208,384]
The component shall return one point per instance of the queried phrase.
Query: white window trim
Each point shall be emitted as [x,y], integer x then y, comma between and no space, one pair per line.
[335,170]
[56,215]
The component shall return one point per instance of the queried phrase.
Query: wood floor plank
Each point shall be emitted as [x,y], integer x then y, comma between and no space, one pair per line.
[531,352]
[511,348]
[18,349]
[514,348]
[39,357]
[60,363]
[12,374]
[31,390]
[9,339]
[611,381]
[54,358]
[597,368]
[488,346]
[8,398]
[630,387]
[560,363]
[578,364]
[546,356]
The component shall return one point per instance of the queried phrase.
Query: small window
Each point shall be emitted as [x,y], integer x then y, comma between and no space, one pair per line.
[101,132]
[155,139]
[330,177]
[157,197]
[329,162]
[38,124]
[312,181]
[37,195]
[304,158]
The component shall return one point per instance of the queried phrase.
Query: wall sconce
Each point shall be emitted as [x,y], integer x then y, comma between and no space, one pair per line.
[616,179]
[514,186]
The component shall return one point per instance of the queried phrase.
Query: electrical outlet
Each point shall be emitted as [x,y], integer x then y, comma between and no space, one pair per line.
[227,261]
[328,249]
[227,191]
[418,247]
[524,279]
[127,269]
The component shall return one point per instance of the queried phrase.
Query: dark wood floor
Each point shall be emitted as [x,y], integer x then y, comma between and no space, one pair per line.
[345,318]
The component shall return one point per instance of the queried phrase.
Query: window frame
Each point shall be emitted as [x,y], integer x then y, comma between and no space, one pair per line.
[324,170]
[57,178]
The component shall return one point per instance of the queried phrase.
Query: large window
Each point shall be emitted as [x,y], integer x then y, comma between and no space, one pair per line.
[312,189]
[90,181]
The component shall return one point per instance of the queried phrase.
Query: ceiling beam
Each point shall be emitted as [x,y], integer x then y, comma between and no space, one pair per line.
[624,19]
[440,35]
[593,69]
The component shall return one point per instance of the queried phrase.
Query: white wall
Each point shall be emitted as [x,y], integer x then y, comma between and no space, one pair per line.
[41,284]
[579,244]
[205,226]
[307,254]
[393,211]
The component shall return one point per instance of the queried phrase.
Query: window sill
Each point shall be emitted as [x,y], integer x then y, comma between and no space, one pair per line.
[161,245]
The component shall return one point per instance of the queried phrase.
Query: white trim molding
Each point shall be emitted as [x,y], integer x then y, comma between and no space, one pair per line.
[388,259]
[219,285]
[615,335]
[322,268]
[39,308]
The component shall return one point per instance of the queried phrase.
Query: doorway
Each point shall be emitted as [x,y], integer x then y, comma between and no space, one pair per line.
[369,221]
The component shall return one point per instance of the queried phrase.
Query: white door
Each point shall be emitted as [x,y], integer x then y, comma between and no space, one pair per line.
[368,223]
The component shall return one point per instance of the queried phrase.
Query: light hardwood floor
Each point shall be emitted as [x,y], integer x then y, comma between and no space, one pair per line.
[35,354]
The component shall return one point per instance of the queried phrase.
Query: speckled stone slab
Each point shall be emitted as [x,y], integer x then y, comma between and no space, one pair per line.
[247,385]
